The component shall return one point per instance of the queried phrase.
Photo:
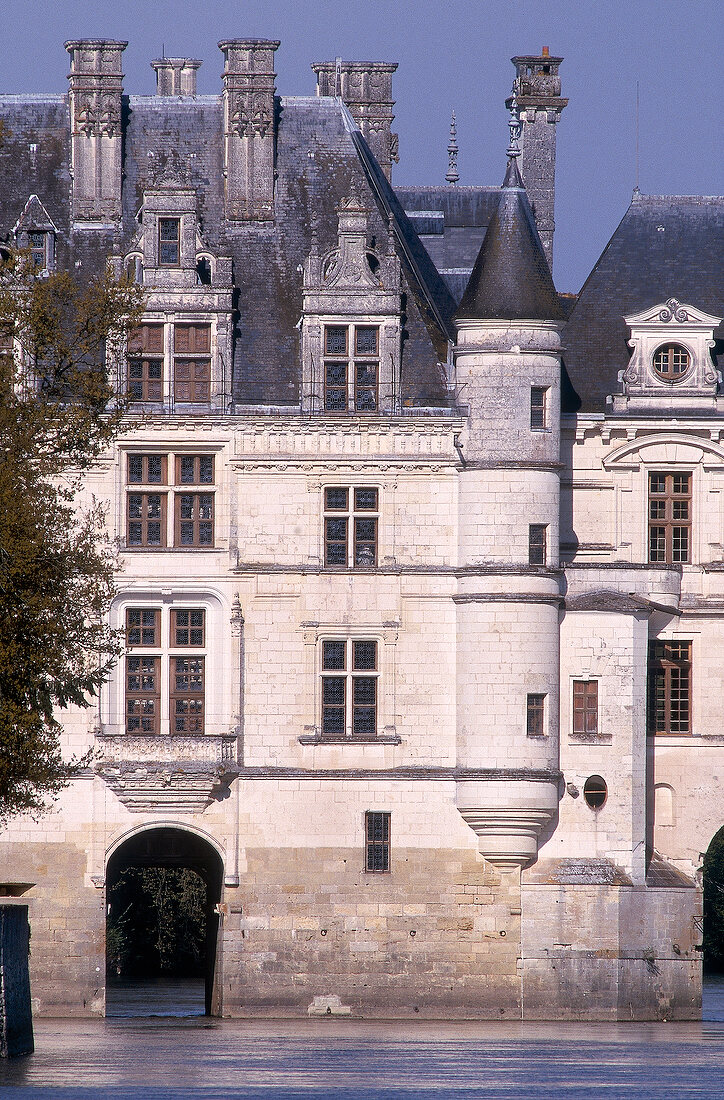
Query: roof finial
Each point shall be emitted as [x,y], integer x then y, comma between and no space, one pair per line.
[514,126]
[452,153]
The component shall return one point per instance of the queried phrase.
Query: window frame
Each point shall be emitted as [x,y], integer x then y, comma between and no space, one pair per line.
[539,410]
[378,847]
[193,695]
[146,518]
[166,220]
[173,495]
[536,714]
[142,355]
[672,348]
[165,656]
[581,713]
[664,530]
[192,359]
[537,544]
[675,673]
[350,706]
[138,696]
[353,517]
[353,360]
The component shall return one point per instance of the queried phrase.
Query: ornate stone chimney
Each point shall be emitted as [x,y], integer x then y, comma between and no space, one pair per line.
[96,87]
[175,75]
[366,88]
[249,128]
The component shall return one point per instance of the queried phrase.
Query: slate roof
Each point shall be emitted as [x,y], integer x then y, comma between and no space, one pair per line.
[664,247]
[451,222]
[511,279]
[320,159]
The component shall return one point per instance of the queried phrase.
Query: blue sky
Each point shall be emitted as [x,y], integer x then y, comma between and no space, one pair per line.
[452,54]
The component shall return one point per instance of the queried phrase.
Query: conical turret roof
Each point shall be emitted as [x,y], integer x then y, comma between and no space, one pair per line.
[511,279]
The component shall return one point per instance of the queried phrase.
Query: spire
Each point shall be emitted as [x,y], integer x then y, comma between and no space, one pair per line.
[511,279]
[452,154]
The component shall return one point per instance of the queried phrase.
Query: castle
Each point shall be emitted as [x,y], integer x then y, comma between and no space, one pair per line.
[421,575]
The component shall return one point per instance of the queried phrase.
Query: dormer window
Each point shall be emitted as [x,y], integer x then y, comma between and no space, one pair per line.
[169,242]
[38,246]
[351,368]
[671,362]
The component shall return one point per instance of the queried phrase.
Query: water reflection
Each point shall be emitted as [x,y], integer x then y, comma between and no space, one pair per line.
[159,998]
[334,1058]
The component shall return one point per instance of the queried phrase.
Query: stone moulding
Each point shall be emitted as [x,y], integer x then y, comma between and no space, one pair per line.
[179,774]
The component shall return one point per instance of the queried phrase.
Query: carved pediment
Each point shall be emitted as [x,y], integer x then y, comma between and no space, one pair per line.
[671,344]
[34,218]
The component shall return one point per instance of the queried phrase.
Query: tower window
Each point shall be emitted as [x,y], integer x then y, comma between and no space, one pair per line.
[377,841]
[671,362]
[537,544]
[38,245]
[535,715]
[538,410]
[669,517]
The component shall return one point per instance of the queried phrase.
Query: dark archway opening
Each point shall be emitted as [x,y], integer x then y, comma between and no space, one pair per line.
[162,890]
[713,939]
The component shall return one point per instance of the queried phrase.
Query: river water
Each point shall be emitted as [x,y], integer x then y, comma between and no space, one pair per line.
[189,1056]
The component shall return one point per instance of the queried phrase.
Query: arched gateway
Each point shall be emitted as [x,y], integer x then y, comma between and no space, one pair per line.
[196,874]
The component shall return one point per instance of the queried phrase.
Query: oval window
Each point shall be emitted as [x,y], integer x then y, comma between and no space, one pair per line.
[595,791]
[671,362]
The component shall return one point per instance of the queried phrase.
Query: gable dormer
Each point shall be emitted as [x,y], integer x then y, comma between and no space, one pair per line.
[35,232]
[351,322]
[671,365]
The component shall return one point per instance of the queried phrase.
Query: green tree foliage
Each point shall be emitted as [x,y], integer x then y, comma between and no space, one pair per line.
[156,924]
[714,905]
[56,335]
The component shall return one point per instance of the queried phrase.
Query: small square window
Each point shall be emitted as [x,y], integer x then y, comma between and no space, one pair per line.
[188,628]
[335,340]
[143,627]
[365,340]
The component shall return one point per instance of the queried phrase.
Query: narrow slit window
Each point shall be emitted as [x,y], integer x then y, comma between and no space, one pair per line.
[538,402]
[537,544]
[535,715]
[377,841]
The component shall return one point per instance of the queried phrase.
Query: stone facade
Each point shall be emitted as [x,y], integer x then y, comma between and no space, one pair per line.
[382,565]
